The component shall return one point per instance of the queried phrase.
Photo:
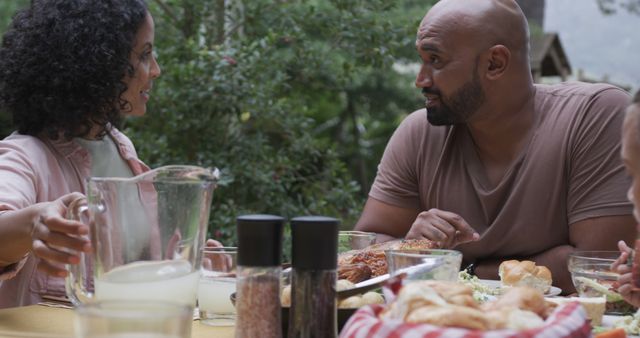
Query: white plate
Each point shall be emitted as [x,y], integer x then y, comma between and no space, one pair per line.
[496,284]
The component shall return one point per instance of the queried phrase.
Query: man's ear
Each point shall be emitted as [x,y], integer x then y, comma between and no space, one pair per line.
[498,59]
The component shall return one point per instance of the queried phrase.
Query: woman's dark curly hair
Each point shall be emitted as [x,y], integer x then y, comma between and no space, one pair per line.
[62,64]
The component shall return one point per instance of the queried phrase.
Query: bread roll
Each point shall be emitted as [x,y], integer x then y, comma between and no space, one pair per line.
[372,298]
[454,293]
[451,316]
[352,302]
[525,273]
[343,284]
[413,296]
[523,298]
[513,318]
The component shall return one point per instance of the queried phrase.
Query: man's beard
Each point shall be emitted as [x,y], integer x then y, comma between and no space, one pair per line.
[459,106]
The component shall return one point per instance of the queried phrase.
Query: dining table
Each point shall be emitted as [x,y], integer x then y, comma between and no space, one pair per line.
[44,320]
[39,321]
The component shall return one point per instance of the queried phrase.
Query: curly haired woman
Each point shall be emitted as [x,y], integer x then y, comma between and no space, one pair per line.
[69,71]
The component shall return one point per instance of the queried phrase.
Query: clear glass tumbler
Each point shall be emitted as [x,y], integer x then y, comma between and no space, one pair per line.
[355,240]
[133,319]
[436,264]
[217,283]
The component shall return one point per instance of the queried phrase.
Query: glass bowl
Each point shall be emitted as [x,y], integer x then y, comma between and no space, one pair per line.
[592,277]
[355,240]
[433,264]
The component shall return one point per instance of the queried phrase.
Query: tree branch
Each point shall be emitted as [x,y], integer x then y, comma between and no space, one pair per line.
[356,156]
[168,12]
[219,22]
[232,30]
[189,22]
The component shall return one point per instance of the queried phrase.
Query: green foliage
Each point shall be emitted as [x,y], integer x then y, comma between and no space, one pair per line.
[292,100]
[7,9]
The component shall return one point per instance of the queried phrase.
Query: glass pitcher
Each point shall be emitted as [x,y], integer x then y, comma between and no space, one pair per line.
[147,233]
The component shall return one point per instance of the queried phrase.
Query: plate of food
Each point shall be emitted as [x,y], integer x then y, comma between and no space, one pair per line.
[512,273]
[499,288]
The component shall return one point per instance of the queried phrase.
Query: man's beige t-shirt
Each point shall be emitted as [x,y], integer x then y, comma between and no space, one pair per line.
[570,171]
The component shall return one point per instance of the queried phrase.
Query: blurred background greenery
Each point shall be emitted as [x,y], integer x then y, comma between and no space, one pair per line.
[293,100]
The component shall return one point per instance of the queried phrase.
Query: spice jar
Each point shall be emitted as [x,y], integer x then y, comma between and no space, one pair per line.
[258,276]
[313,282]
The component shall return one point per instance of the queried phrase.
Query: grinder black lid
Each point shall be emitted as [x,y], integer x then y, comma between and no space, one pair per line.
[259,240]
[314,242]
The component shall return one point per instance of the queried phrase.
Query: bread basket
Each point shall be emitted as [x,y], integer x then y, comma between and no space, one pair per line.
[566,320]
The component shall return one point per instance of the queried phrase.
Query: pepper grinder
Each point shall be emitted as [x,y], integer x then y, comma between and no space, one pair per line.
[313,284]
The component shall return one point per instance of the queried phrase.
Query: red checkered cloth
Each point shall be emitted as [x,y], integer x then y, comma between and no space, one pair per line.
[568,320]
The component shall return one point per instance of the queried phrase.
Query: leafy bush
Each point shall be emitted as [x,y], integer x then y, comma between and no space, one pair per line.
[294,100]
[290,99]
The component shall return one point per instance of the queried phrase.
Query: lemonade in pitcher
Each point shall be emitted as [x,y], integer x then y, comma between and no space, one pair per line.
[172,281]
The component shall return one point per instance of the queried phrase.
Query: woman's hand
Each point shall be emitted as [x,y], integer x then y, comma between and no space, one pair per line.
[212,243]
[625,253]
[57,240]
[216,261]
[625,281]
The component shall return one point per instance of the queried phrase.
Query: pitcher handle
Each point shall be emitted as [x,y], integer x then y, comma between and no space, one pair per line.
[79,281]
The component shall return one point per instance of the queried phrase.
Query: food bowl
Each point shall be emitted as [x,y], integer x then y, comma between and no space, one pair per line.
[433,264]
[592,277]
[343,315]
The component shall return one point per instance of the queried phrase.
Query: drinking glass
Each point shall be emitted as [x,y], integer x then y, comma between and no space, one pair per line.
[355,240]
[133,319]
[217,283]
[436,264]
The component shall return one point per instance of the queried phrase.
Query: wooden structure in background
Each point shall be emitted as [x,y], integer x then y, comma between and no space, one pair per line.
[547,57]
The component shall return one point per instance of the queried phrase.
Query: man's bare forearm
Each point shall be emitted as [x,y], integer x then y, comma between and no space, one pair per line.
[555,259]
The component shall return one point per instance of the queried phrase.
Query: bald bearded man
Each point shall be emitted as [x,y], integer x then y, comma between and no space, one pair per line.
[496,166]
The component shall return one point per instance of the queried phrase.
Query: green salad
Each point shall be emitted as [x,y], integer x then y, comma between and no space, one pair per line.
[630,324]
[612,296]
[481,291]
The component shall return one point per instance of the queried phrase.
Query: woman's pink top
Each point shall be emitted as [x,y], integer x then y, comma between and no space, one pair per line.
[34,170]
